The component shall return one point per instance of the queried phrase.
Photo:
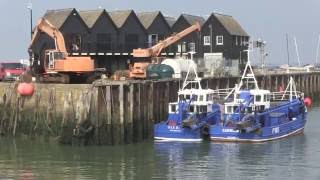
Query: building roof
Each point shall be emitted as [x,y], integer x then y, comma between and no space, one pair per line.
[191,19]
[231,25]
[147,18]
[90,17]
[170,20]
[58,17]
[120,17]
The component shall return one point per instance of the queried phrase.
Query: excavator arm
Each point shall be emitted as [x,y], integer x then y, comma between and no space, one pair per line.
[155,50]
[45,26]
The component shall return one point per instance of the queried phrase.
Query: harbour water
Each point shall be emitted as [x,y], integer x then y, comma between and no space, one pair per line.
[296,157]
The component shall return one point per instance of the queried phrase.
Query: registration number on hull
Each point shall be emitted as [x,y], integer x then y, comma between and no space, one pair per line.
[275,130]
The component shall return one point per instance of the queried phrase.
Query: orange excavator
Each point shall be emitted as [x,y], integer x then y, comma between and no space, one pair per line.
[138,71]
[58,65]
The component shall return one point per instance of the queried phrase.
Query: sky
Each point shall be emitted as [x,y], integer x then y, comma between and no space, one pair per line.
[269,20]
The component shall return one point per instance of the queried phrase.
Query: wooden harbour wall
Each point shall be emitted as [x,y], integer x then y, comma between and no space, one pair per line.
[110,112]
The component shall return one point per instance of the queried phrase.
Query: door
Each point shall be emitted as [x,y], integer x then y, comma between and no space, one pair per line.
[51,60]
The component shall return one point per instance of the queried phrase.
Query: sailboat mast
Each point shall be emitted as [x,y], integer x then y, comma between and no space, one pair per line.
[318,50]
[296,44]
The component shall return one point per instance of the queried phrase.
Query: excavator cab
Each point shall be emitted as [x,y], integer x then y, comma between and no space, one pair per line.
[53,55]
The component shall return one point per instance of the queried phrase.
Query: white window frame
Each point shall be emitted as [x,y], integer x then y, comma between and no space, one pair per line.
[237,41]
[206,40]
[192,46]
[218,42]
[150,37]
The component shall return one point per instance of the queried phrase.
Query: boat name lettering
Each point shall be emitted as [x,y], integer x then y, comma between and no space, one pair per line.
[230,131]
[173,127]
[275,130]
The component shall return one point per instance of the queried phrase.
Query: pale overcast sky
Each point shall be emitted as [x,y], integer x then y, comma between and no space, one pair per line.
[269,20]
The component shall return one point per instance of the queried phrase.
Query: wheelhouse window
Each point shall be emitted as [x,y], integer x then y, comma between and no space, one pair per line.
[229,109]
[206,40]
[195,97]
[191,109]
[219,40]
[203,108]
[258,98]
[173,108]
[188,97]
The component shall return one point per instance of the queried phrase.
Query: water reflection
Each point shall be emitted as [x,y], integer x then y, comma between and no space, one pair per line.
[296,157]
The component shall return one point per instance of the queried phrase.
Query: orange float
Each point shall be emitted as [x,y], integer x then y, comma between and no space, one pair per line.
[307,101]
[25,89]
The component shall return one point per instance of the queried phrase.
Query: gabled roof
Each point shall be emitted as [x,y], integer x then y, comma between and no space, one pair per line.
[147,18]
[231,25]
[170,20]
[59,16]
[191,19]
[90,17]
[120,17]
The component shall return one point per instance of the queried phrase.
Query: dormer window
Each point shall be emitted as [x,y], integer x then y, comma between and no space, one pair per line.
[219,40]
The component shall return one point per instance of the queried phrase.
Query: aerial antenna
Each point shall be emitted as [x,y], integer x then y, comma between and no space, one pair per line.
[318,50]
[296,44]
[288,55]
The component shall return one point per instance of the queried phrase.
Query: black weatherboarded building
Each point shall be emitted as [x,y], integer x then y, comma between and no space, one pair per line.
[101,39]
[192,41]
[70,24]
[156,26]
[110,37]
[223,34]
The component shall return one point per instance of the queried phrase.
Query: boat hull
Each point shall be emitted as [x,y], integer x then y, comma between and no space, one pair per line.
[164,132]
[228,134]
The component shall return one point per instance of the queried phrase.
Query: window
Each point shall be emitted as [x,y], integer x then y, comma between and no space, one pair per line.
[152,39]
[191,109]
[182,47]
[258,98]
[173,108]
[206,40]
[203,108]
[236,40]
[201,98]
[192,47]
[188,97]
[219,40]
[229,109]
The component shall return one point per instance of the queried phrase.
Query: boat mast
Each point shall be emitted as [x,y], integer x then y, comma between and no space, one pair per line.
[291,87]
[248,75]
[196,79]
[318,50]
[296,44]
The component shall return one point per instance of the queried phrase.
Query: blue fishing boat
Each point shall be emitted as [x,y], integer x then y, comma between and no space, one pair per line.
[190,116]
[257,115]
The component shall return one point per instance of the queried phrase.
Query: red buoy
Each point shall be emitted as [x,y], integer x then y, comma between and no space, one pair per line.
[25,89]
[307,101]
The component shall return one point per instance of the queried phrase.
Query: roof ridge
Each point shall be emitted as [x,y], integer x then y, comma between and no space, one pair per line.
[217,13]
[57,10]
[93,10]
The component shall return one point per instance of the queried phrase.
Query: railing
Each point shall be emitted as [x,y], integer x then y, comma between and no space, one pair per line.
[282,95]
[222,93]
